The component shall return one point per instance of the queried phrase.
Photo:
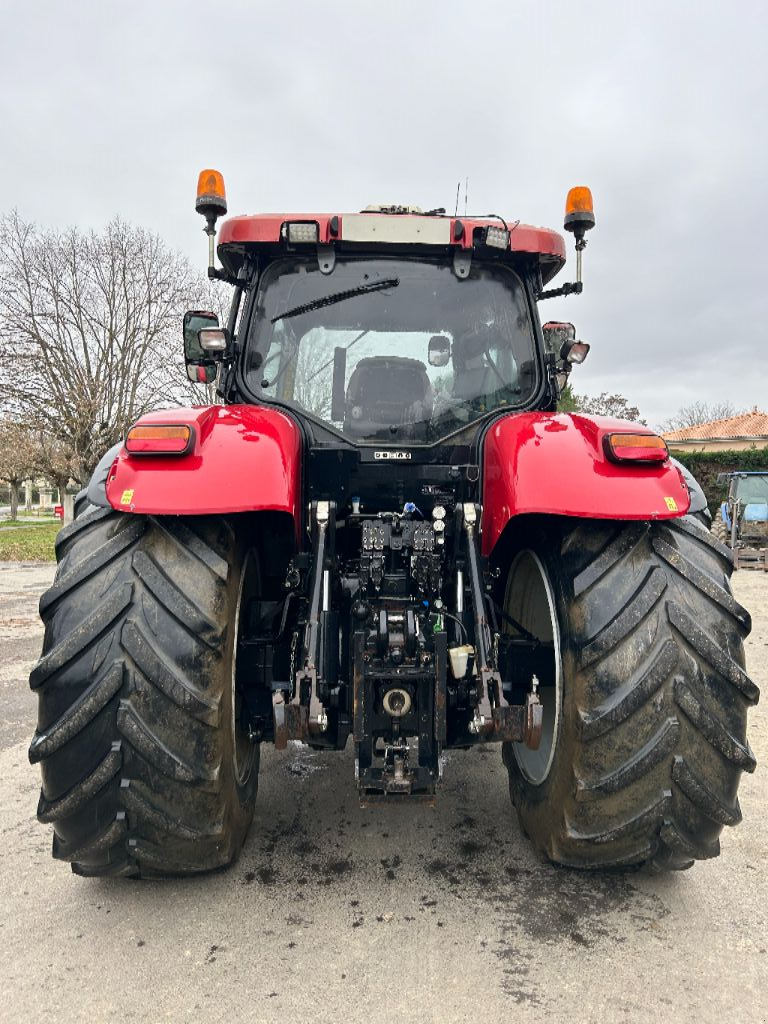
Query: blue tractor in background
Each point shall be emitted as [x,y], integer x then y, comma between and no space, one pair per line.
[741,522]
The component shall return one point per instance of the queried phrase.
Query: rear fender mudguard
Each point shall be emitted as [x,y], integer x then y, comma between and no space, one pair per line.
[698,497]
[555,464]
[242,458]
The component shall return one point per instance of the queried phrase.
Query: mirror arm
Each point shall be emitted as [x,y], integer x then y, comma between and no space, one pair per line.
[574,288]
[234,309]
[214,274]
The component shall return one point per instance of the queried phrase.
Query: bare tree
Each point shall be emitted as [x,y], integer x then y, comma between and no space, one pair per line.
[607,405]
[55,460]
[314,374]
[173,382]
[91,328]
[699,412]
[17,458]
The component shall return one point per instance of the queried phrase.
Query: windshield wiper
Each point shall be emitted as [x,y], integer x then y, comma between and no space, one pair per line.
[329,300]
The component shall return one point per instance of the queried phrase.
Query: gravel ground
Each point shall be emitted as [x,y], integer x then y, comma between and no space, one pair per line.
[337,913]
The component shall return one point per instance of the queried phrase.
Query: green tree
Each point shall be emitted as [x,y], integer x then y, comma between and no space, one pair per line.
[568,401]
[604,404]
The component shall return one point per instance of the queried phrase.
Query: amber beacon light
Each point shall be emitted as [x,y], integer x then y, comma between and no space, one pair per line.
[211,203]
[211,195]
[579,209]
[579,218]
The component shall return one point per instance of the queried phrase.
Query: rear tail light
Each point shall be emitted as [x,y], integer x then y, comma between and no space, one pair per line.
[636,447]
[148,439]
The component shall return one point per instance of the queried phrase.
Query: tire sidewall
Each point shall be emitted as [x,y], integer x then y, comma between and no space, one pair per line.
[525,793]
[240,795]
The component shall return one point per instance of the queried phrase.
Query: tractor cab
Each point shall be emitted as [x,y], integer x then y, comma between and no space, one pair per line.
[391,351]
[391,335]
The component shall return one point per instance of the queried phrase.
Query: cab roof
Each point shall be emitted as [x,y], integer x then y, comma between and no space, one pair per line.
[373,231]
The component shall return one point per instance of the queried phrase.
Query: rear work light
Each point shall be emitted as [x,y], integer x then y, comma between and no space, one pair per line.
[302,232]
[212,339]
[169,439]
[497,238]
[574,351]
[636,447]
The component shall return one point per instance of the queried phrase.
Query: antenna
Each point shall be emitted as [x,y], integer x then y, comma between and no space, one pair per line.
[466,189]
[458,189]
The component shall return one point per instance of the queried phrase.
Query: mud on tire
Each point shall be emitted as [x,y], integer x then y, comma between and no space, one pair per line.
[144,769]
[720,529]
[650,741]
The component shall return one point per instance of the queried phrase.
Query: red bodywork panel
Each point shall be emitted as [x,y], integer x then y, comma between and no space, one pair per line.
[555,464]
[265,228]
[244,458]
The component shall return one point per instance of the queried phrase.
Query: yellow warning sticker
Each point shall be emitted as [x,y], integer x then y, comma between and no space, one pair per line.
[127,498]
[671,504]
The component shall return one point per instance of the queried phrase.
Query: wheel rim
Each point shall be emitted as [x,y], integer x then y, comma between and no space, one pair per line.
[243,749]
[530,601]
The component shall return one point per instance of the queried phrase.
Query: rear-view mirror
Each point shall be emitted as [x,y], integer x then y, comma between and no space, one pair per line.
[556,335]
[201,374]
[204,344]
[196,320]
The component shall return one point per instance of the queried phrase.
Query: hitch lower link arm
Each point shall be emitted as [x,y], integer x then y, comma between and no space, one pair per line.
[301,715]
[494,719]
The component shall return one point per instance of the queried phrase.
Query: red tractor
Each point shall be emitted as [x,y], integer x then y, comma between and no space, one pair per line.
[387,535]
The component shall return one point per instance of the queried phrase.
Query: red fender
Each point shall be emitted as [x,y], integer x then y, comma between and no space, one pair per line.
[242,458]
[556,464]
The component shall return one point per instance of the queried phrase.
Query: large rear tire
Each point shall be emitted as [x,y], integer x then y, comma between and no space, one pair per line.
[644,734]
[145,769]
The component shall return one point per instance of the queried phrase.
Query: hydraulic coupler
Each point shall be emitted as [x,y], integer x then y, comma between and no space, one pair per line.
[300,714]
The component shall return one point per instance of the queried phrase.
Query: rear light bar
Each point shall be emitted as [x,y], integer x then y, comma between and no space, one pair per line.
[636,448]
[167,439]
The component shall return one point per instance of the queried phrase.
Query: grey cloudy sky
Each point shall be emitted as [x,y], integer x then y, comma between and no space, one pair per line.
[659,107]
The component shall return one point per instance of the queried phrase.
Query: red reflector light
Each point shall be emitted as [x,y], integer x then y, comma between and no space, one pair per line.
[636,447]
[158,440]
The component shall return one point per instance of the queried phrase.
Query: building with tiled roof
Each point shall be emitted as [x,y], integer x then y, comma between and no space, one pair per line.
[735,433]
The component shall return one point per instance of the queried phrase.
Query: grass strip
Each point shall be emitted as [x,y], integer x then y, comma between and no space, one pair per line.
[29,544]
[28,523]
